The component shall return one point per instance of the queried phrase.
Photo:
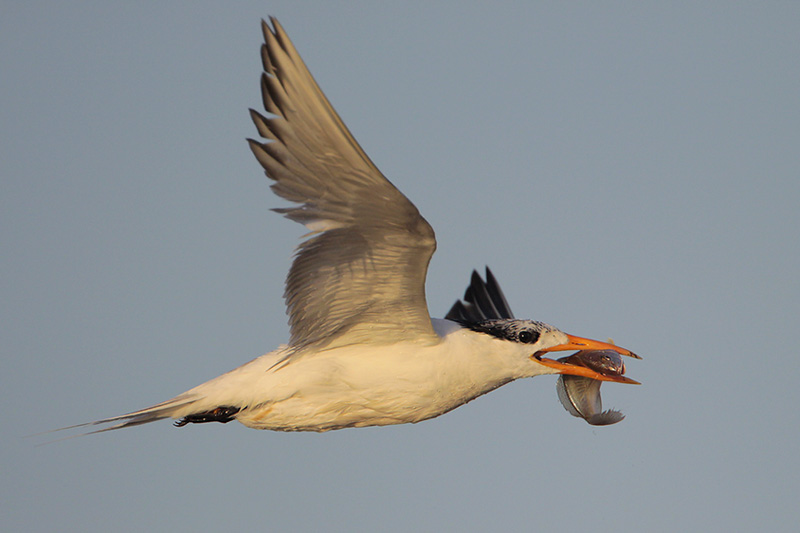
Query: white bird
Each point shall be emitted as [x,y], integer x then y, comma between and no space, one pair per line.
[363,349]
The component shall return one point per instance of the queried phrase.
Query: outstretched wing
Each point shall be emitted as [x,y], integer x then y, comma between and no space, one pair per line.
[361,277]
[483,300]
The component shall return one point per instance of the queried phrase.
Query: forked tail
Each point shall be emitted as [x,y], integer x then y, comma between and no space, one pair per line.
[178,407]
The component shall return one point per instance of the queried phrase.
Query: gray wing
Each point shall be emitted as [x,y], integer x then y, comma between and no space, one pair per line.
[361,277]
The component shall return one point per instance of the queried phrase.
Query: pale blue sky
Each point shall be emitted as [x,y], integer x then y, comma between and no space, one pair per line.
[628,170]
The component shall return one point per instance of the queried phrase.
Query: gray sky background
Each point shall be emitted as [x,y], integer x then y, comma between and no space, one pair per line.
[628,170]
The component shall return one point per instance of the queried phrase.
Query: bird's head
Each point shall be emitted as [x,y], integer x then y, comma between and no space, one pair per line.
[535,340]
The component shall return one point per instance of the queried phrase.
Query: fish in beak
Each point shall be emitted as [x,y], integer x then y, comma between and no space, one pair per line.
[580,395]
[597,367]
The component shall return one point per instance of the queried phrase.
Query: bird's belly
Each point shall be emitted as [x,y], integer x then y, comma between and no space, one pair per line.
[370,394]
[340,409]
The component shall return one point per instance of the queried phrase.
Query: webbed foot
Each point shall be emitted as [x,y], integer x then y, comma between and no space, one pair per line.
[220,414]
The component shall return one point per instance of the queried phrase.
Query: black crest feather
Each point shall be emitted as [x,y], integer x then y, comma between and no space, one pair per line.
[483,300]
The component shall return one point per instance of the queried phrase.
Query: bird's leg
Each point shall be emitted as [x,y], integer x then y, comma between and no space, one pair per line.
[220,414]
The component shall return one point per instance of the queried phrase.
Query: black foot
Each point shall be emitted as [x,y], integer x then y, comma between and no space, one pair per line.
[220,414]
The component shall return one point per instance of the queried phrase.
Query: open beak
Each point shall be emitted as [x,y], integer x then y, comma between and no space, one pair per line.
[579,343]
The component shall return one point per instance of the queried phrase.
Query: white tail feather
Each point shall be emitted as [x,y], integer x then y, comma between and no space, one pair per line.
[174,408]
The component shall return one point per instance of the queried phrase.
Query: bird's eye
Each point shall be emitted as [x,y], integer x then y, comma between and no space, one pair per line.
[528,337]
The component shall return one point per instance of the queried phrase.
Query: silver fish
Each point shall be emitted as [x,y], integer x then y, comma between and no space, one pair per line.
[580,396]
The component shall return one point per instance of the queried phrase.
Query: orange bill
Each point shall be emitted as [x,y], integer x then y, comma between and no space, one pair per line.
[579,343]
[575,370]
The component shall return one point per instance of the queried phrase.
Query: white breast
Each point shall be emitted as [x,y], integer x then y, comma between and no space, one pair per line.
[366,385]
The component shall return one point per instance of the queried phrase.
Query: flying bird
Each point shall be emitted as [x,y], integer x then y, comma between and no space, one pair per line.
[363,349]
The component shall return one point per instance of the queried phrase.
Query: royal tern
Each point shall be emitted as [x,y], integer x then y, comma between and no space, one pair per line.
[363,349]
